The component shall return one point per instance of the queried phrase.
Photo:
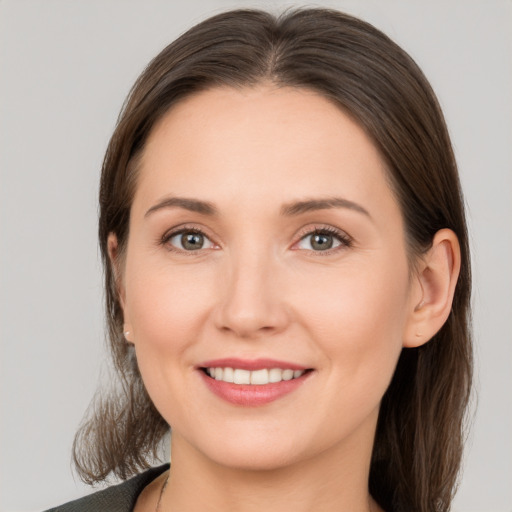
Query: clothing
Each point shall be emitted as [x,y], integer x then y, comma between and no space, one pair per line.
[117,498]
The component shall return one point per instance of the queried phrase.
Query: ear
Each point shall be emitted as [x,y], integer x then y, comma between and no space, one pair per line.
[433,289]
[117,264]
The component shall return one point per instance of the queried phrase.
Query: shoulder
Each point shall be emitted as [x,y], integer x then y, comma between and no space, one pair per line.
[117,498]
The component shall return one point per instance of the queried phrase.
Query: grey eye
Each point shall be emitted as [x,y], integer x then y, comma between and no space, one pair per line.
[319,242]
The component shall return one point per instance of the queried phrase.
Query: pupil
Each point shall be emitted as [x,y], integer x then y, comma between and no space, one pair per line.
[192,241]
[321,242]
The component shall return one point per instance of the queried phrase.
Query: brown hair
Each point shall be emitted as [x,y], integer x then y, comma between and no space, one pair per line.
[420,431]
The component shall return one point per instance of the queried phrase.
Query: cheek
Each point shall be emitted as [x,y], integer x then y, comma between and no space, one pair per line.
[165,304]
[357,315]
[166,307]
[359,331]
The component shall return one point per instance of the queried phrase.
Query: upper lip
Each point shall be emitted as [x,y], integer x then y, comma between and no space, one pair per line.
[251,364]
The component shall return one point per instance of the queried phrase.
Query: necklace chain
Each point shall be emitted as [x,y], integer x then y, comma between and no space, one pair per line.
[162,490]
[157,509]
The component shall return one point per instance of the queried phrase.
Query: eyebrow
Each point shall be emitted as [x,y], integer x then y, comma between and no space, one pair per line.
[309,205]
[193,205]
[289,209]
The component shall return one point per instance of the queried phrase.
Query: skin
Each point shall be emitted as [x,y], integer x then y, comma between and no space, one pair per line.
[258,288]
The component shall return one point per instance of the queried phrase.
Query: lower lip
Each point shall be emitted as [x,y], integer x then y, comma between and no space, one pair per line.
[252,395]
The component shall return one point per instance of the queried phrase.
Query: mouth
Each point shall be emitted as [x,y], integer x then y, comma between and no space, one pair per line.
[254,377]
[252,383]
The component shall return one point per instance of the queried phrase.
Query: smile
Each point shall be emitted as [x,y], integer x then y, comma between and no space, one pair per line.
[255,377]
[252,383]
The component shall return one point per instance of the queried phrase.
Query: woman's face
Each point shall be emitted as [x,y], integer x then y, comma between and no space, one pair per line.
[264,237]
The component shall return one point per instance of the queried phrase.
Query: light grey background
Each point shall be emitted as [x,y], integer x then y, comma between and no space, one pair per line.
[65,68]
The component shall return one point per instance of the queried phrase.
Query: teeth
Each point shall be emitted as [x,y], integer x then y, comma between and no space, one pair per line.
[287,374]
[256,377]
[259,377]
[241,376]
[275,375]
[228,375]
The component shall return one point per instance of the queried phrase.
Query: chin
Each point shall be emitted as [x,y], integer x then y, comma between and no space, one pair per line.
[255,452]
[255,459]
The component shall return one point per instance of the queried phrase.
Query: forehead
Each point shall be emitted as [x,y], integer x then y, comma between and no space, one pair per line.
[263,143]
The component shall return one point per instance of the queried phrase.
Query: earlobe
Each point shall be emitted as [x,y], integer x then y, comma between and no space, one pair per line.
[435,284]
[127,333]
[116,264]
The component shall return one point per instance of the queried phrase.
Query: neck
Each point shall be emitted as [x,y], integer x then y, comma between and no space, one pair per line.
[334,480]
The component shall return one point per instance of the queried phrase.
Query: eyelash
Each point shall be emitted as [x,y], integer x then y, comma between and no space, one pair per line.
[164,241]
[342,237]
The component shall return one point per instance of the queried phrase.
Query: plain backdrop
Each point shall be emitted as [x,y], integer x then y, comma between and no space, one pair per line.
[65,68]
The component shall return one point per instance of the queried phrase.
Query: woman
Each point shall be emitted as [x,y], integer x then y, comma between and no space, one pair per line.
[287,277]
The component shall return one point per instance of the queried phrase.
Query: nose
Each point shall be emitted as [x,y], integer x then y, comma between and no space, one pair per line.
[252,302]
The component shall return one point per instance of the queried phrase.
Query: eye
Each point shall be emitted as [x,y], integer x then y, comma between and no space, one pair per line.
[323,240]
[189,240]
